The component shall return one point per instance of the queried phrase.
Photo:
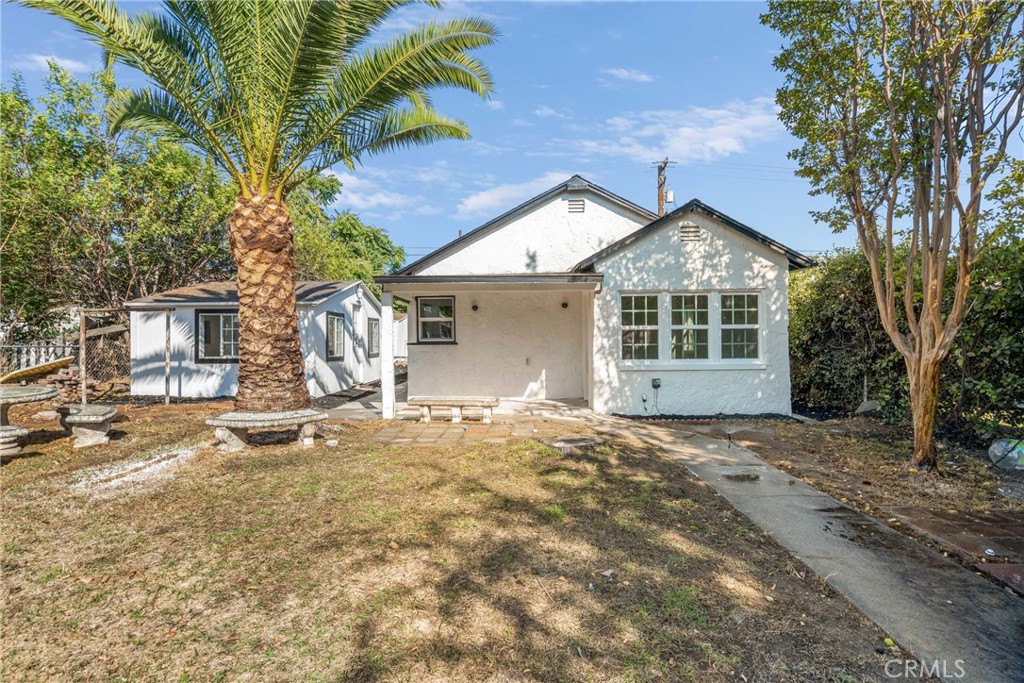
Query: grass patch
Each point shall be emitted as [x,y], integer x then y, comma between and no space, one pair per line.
[375,562]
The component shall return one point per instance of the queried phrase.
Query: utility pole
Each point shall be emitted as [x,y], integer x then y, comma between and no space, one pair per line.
[662,166]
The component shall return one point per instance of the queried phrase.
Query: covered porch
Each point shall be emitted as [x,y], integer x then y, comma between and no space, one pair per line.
[519,337]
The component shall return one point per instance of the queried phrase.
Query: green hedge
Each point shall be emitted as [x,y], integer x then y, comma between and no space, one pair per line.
[838,347]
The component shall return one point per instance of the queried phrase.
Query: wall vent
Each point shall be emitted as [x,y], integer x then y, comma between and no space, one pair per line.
[577,205]
[689,232]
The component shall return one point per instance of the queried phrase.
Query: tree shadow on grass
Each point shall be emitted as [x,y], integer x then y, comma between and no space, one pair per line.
[530,597]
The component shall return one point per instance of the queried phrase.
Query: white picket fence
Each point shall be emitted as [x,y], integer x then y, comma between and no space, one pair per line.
[19,356]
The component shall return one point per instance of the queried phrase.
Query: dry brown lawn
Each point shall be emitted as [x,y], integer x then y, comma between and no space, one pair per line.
[365,562]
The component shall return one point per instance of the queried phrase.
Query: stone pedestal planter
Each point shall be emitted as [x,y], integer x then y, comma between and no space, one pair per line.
[88,424]
[10,395]
[9,435]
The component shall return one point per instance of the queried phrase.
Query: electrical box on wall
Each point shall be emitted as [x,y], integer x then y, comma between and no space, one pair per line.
[656,383]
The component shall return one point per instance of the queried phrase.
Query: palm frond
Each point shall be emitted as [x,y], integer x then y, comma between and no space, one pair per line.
[275,88]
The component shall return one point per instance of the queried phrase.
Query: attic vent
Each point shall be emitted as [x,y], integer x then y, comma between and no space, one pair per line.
[577,205]
[689,232]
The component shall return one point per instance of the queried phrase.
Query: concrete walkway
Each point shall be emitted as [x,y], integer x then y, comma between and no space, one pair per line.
[929,604]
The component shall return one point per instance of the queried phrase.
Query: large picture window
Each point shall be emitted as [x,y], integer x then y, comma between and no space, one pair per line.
[639,327]
[435,317]
[217,336]
[689,336]
[335,336]
[739,326]
[373,338]
[702,329]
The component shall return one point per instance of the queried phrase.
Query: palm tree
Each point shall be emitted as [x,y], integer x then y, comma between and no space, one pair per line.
[276,91]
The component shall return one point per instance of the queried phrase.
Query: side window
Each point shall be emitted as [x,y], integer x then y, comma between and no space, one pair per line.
[217,336]
[639,326]
[373,338]
[335,336]
[689,326]
[436,319]
[740,330]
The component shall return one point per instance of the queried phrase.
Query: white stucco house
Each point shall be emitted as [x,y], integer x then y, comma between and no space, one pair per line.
[339,331]
[581,294]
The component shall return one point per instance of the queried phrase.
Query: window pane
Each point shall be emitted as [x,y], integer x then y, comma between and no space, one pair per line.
[436,330]
[229,335]
[374,337]
[639,344]
[335,336]
[639,310]
[437,308]
[210,347]
[739,343]
[690,309]
[739,309]
[689,344]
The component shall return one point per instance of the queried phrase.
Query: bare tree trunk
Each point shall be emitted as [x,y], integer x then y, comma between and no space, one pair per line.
[271,371]
[924,403]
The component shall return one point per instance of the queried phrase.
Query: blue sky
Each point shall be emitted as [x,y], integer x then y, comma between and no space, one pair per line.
[598,88]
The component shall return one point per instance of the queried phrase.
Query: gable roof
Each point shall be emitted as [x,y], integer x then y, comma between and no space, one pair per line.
[307,293]
[796,259]
[577,183]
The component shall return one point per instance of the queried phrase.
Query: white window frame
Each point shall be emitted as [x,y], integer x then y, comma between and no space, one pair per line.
[722,326]
[623,328]
[332,318]
[201,337]
[372,340]
[705,327]
[714,361]
[420,320]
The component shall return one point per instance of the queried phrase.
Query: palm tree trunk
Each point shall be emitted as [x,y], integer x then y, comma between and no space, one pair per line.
[271,371]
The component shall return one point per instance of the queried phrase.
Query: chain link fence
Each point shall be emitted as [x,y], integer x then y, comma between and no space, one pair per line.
[102,347]
[106,359]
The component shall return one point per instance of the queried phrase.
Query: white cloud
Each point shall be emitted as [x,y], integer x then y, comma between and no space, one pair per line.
[504,197]
[37,62]
[546,112]
[496,105]
[694,134]
[359,194]
[629,75]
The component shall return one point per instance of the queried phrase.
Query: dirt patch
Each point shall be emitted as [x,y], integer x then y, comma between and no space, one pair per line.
[865,464]
[134,476]
[367,561]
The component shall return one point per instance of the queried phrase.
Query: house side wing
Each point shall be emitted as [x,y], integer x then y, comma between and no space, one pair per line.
[796,259]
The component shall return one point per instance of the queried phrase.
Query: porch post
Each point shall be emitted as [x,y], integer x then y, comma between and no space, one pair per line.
[387,355]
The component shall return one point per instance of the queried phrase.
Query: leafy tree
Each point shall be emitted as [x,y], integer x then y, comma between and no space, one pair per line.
[93,219]
[905,110]
[275,92]
[338,247]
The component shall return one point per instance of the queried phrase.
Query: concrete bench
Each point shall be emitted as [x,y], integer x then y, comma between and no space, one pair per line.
[9,435]
[456,404]
[232,429]
[88,424]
